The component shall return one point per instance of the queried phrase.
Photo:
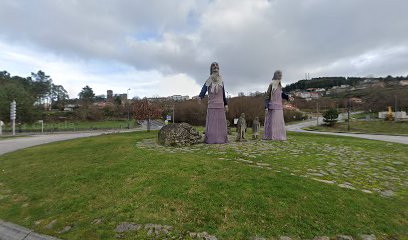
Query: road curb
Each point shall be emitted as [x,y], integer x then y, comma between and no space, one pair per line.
[11,231]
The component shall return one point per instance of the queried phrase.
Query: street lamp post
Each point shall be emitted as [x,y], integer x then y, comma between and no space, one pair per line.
[13,116]
[1,127]
[42,126]
[317,112]
[396,108]
[348,114]
[127,102]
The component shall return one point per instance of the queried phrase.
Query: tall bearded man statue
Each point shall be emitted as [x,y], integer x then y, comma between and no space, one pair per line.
[274,122]
[216,123]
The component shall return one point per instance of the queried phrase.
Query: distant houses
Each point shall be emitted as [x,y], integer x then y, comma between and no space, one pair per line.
[111,99]
[403,82]
[356,100]
[290,107]
[315,93]
[179,98]
[176,98]
[310,93]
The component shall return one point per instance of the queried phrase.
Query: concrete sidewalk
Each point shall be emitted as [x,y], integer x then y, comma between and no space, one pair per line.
[14,144]
[10,231]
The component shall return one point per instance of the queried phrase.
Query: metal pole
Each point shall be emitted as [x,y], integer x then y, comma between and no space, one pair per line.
[127,102]
[396,108]
[348,115]
[128,113]
[128,116]
[13,126]
[173,113]
[13,117]
[317,113]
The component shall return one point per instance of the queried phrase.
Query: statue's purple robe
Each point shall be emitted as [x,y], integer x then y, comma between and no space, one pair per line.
[216,122]
[274,123]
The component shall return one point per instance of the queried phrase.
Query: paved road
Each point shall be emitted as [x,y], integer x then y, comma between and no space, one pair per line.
[154,125]
[13,144]
[388,138]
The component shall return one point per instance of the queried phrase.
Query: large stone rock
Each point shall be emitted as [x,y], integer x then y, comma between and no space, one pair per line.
[178,134]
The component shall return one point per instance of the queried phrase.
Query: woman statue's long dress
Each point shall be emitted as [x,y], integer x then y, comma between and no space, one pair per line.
[274,121]
[216,122]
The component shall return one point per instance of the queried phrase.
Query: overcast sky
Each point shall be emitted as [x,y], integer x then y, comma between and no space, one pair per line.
[165,47]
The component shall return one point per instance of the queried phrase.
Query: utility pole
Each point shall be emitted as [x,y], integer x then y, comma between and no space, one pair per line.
[317,112]
[13,116]
[348,114]
[42,126]
[1,127]
[173,112]
[127,102]
[396,108]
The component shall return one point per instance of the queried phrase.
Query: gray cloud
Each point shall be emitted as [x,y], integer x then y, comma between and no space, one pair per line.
[249,38]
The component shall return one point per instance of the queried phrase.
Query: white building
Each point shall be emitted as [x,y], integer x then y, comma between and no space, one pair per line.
[179,98]
[314,95]
[403,82]
[304,95]
[397,115]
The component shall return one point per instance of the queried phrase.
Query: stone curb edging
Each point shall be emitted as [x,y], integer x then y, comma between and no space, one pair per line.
[11,231]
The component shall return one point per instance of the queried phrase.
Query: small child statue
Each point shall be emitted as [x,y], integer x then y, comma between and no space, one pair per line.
[255,128]
[241,127]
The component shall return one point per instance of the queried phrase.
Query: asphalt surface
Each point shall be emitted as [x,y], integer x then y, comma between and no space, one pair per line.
[17,143]
[14,144]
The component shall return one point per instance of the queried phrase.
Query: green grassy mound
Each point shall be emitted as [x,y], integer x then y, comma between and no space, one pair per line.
[307,186]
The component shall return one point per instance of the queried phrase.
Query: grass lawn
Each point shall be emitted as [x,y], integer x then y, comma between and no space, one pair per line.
[73,126]
[307,186]
[375,126]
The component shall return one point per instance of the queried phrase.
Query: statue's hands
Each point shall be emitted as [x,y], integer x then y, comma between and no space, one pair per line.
[226,108]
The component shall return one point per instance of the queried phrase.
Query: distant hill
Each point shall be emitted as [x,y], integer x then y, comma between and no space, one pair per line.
[329,82]
[367,94]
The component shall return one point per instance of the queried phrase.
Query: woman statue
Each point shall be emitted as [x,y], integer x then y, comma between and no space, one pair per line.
[274,122]
[216,123]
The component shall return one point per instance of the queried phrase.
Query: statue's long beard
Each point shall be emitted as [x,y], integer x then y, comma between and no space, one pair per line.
[215,81]
[275,85]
